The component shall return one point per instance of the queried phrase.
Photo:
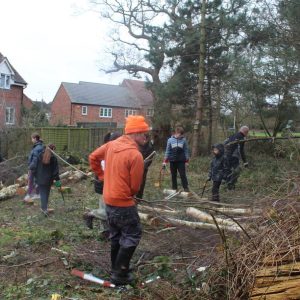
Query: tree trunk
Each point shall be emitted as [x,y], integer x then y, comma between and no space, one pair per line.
[200,101]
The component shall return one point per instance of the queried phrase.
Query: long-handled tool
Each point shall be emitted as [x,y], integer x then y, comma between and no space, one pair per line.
[62,195]
[150,156]
[204,187]
[160,178]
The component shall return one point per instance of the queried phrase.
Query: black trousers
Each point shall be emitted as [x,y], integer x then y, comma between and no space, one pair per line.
[180,167]
[215,190]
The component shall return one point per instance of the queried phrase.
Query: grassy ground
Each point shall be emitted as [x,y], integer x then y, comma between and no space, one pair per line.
[29,269]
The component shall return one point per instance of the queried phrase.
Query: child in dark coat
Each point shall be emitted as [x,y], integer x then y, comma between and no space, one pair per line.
[178,155]
[218,170]
[45,173]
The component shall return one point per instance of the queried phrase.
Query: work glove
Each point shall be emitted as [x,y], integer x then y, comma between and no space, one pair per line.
[246,165]
[57,183]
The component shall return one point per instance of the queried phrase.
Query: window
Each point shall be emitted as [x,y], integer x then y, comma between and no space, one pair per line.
[84,110]
[10,115]
[150,112]
[130,112]
[105,112]
[4,81]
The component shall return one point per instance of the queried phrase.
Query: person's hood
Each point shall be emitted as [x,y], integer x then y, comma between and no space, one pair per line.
[220,147]
[123,143]
[39,142]
[179,137]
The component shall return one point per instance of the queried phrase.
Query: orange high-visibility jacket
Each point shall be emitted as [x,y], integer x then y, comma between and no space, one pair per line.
[124,167]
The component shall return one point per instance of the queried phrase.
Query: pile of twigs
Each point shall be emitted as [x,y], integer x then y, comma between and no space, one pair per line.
[243,272]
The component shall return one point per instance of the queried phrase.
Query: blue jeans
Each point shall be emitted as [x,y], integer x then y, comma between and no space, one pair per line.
[44,194]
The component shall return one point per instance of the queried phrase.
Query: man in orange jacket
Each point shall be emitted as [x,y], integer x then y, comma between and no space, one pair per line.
[123,175]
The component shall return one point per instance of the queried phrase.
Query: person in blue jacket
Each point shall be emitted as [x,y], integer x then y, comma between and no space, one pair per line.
[177,154]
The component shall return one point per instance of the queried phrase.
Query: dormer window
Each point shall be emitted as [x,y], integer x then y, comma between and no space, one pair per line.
[4,81]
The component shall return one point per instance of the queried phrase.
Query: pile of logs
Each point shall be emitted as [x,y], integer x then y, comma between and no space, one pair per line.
[20,187]
[152,215]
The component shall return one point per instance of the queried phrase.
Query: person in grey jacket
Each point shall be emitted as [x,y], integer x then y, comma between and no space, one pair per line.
[45,173]
[178,155]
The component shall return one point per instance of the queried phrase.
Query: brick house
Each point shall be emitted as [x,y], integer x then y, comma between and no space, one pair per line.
[11,94]
[88,104]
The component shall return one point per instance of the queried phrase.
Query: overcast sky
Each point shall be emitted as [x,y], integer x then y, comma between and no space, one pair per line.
[50,41]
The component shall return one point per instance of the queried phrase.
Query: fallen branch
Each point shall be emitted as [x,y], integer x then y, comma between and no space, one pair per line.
[160,210]
[205,217]
[203,225]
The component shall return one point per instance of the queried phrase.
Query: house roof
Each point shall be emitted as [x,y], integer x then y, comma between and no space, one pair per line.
[18,78]
[140,90]
[101,94]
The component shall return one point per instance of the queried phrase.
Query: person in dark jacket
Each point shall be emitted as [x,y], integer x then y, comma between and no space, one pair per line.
[45,173]
[233,152]
[100,213]
[218,170]
[146,150]
[37,148]
[178,155]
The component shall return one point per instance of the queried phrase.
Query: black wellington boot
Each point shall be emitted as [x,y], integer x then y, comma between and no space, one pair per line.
[114,250]
[121,274]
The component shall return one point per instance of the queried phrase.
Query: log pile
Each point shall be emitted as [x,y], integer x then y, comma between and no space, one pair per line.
[277,282]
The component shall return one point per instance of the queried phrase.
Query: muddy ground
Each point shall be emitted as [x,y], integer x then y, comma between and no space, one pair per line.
[31,269]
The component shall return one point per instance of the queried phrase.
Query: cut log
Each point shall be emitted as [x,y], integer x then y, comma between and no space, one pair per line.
[238,211]
[178,194]
[203,225]
[65,174]
[159,210]
[8,192]
[22,180]
[149,220]
[205,217]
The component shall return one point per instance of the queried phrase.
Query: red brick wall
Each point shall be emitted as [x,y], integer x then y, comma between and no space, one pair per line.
[61,108]
[11,98]
[63,112]
[118,114]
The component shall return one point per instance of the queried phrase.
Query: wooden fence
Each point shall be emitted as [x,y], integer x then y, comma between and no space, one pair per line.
[17,141]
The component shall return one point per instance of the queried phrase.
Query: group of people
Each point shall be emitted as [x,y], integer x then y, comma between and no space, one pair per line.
[120,166]
[224,167]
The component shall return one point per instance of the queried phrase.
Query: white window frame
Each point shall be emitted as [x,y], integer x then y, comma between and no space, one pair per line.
[105,112]
[150,112]
[84,110]
[12,115]
[130,112]
[5,81]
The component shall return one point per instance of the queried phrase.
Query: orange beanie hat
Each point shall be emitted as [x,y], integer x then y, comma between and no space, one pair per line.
[136,124]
